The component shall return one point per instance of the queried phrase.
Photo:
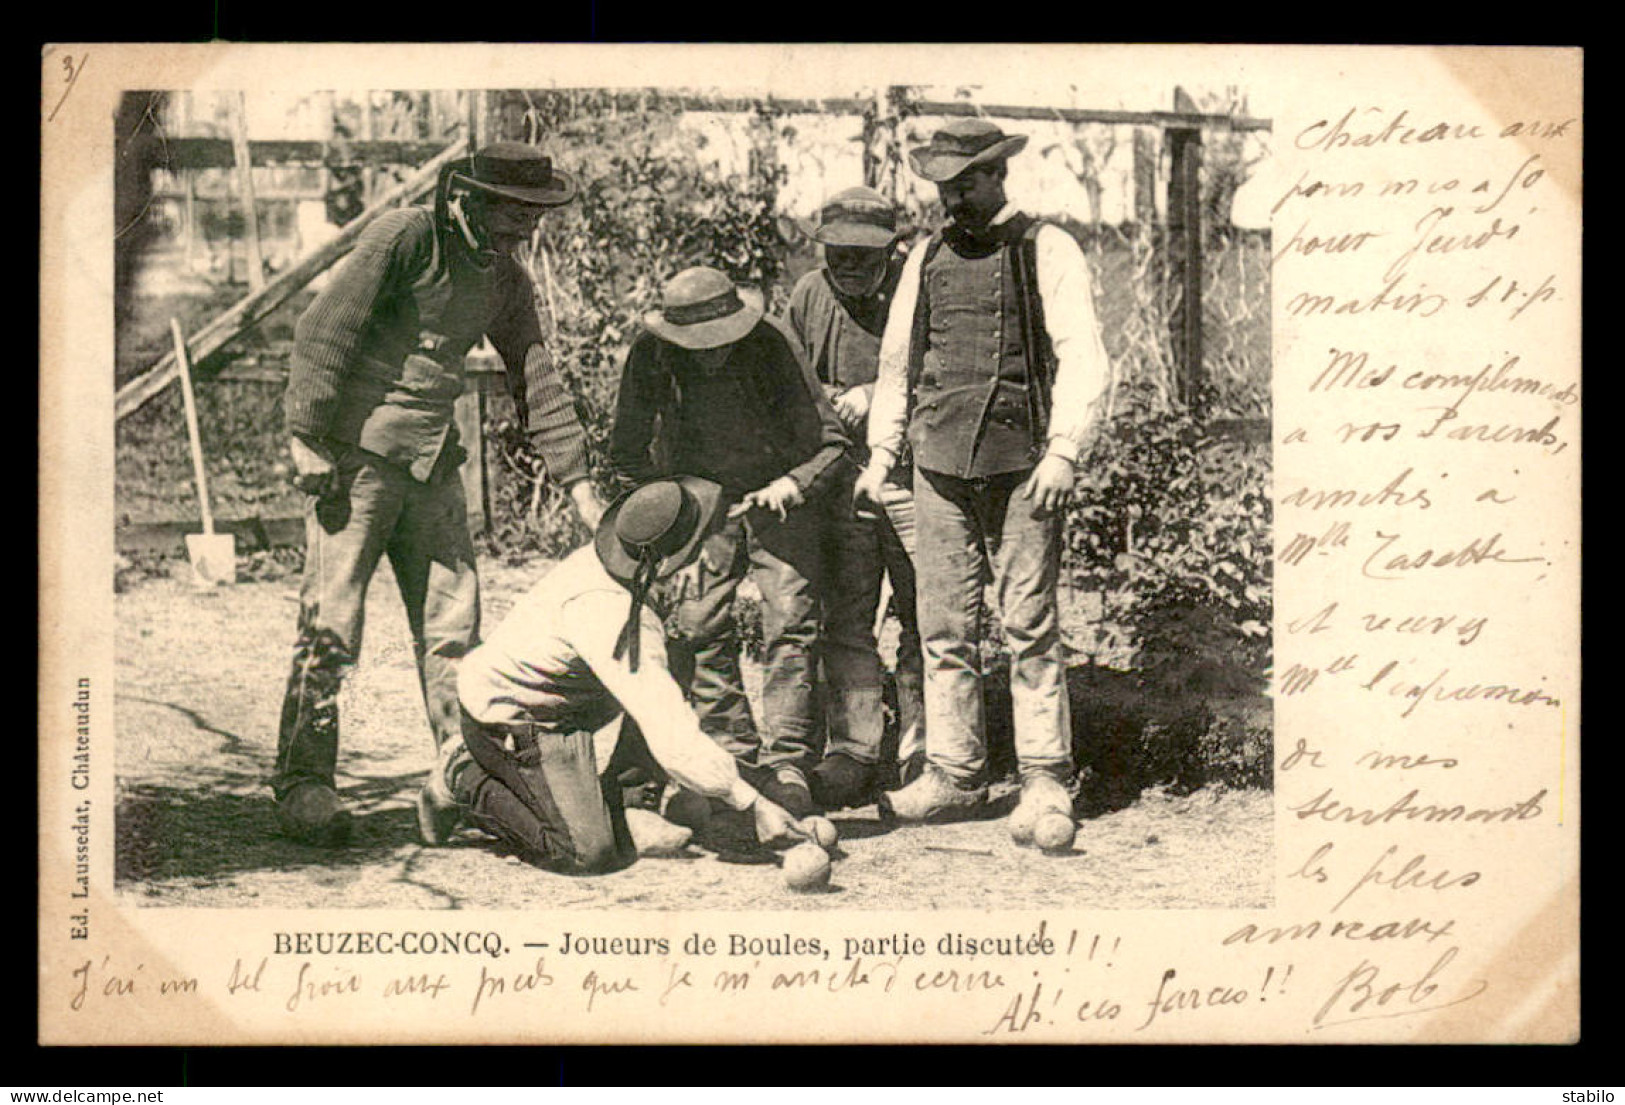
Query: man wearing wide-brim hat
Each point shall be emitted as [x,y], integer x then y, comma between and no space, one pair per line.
[572,688]
[377,366]
[838,312]
[734,402]
[992,365]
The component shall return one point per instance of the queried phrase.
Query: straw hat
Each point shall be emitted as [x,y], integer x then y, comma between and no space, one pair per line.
[700,308]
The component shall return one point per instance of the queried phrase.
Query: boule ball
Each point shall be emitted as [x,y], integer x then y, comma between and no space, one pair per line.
[823,831]
[688,809]
[806,867]
[1054,832]
[1021,823]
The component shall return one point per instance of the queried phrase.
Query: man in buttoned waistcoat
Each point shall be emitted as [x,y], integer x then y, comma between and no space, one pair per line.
[992,362]
[377,366]
[838,313]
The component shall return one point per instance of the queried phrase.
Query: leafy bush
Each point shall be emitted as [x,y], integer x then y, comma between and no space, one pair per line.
[1173,527]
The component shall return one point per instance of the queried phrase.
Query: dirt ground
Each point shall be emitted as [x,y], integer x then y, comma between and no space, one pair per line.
[200,678]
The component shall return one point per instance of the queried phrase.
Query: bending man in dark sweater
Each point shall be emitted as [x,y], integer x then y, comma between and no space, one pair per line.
[733,402]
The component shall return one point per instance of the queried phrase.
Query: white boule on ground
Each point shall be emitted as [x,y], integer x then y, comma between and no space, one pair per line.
[823,831]
[806,867]
[1054,832]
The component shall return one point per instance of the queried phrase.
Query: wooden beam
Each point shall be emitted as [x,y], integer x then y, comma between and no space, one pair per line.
[169,538]
[636,100]
[1166,119]
[216,153]
[209,340]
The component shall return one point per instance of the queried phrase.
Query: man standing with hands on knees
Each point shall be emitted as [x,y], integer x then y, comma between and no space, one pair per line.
[735,403]
[540,758]
[838,313]
[993,364]
[377,366]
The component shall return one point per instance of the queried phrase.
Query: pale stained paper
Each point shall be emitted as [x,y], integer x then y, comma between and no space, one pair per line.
[1462,504]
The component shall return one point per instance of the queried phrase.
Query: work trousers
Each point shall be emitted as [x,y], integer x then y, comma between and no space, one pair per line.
[541,793]
[783,559]
[860,549]
[966,528]
[376,509]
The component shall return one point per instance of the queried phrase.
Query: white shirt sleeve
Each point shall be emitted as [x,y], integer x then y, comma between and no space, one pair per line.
[1082,369]
[652,698]
[888,408]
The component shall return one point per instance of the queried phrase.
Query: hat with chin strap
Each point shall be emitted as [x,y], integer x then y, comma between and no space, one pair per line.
[650,534]
[514,172]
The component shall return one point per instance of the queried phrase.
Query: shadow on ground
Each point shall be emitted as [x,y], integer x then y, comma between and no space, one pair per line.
[209,833]
[1129,736]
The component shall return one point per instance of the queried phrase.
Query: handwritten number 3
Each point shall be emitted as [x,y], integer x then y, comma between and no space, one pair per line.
[70,74]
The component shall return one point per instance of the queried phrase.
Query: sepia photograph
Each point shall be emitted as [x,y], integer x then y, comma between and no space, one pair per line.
[977,607]
[790,543]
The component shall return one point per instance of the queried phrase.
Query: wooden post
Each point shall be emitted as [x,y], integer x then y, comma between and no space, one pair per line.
[245,185]
[369,175]
[437,116]
[1185,255]
[189,237]
[871,134]
[479,126]
[469,416]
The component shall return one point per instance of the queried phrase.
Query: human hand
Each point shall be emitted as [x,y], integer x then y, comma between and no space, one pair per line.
[781,496]
[867,490]
[774,825]
[1050,486]
[852,406]
[312,465]
[589,507]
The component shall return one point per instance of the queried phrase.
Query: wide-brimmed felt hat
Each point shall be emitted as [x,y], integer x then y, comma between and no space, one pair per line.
[664,520]
[855,217]
[650,534]
[515,172]
[961,144]
[700,308]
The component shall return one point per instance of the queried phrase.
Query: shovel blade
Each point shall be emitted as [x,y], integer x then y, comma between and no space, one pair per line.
[213,557]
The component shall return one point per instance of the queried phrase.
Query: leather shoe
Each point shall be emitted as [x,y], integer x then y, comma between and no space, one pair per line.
[311,814]
[839,782]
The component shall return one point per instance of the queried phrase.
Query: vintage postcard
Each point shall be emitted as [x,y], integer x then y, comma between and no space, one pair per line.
[1123,585]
